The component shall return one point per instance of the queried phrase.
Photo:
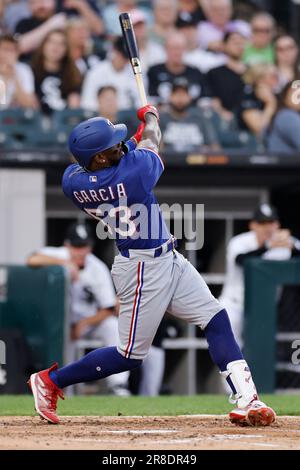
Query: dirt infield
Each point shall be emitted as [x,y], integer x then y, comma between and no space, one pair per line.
[181,432]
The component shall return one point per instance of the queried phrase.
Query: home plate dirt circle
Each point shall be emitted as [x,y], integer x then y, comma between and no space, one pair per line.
[159,433]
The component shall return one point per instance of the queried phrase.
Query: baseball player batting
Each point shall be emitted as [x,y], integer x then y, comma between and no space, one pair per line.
[151,277]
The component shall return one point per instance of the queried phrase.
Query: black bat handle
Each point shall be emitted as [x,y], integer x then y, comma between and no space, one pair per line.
[129,36]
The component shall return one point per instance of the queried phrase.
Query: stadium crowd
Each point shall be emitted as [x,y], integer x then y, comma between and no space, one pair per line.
[221,79]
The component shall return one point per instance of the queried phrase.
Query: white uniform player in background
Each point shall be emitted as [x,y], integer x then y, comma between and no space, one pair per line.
[266,240]
[92,295]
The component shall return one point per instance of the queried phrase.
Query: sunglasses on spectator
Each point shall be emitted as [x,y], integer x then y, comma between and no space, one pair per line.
[262,30]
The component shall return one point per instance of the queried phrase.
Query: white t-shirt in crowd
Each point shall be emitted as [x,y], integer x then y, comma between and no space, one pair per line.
[233,289]
[204,60]
[26,79]
[93,290]
[153,54]
[104,74]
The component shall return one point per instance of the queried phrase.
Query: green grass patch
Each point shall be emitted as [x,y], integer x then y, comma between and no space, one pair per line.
[22,405]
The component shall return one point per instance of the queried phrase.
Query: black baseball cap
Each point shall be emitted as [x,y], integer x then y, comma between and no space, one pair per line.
[186,20]
[265,213]
[119,46]
[180,82]
[79,235]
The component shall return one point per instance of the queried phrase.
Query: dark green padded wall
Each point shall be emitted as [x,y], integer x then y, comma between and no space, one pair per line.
[35,304]
[262,278]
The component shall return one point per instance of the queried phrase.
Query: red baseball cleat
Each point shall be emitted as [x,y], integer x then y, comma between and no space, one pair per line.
[255,414]
[45,394]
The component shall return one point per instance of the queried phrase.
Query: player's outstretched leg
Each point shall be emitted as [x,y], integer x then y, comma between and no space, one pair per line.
[225,352]
[47,385]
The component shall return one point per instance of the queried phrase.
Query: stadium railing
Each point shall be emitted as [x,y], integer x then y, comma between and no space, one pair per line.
[25,128]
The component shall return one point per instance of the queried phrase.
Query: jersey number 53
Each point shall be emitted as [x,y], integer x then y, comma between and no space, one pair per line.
[116,220]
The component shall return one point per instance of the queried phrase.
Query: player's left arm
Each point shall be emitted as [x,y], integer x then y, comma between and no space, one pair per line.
[146,160]
[152,134]
[151,137]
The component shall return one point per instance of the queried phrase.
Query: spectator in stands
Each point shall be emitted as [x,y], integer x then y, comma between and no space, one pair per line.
[260,48]
[108,103]
[190,10]
[264,240]
[225,82]
[283,136]
[17,77]
[151,52]
[108,107]
[161,76]
[93,300]
[33,30]
[286,59]
[165,15]
[114,71]
[194,55]
[81,44]
[57,79]
[86,9]
[112,11]
[218,21]
[258,103]
[184,126]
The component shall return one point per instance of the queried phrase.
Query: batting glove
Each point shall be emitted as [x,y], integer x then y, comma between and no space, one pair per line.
[149,108]
[139,133]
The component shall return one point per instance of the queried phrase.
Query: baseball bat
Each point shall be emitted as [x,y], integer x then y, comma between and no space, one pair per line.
[133,54]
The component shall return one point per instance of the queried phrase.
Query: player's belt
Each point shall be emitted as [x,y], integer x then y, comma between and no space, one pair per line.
[170,245]
[155,252]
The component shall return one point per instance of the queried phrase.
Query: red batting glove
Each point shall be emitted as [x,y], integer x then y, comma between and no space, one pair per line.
[149,108]
[139,133]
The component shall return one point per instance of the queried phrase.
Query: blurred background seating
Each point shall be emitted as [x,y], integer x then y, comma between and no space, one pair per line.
[58,55]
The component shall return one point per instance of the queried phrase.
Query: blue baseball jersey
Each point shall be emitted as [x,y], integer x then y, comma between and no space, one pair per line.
[122,198]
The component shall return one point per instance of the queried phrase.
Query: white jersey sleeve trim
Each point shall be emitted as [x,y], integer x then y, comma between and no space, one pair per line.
[155,153]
